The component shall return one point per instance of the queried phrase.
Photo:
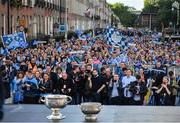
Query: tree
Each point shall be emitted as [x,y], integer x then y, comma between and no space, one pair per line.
[125,14]
[150,6]
[16,3]
[165,14]
[163,10]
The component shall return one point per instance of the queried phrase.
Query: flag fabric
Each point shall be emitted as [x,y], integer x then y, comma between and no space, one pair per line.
[16,40]
[113,36]
[79,33]
[83,37]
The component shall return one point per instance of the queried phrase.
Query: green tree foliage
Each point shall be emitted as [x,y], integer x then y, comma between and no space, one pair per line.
[125,14]
[165,13]
[16,3]
[163,8]
[150,6]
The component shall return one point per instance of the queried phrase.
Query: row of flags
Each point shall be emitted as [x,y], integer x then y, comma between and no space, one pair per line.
[84,36]
[112,36]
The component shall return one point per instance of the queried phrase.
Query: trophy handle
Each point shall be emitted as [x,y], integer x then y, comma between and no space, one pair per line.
[42,99]
[69,99]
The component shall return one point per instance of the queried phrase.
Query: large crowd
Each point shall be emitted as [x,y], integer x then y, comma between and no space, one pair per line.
[94,71]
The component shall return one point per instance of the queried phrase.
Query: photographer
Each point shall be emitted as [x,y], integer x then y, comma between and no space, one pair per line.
[1,97]
[157,74]
[88,83]
[164,92]
[175,86]
[139,91]
[8,73]
[115,91]
[96,85]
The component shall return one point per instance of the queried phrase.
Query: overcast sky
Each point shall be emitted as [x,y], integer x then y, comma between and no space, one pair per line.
[138,4]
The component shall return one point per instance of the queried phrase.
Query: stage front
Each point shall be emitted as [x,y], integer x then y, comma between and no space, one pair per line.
[118,114]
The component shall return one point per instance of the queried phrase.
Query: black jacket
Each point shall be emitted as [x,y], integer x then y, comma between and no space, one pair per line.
[1,93]
[65,85]
[142,89]
[45,87]
[119,88]
[1,99]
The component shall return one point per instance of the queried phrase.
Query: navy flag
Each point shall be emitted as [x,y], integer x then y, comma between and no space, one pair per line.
[13,41]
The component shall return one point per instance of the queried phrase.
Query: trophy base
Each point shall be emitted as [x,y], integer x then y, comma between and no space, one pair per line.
[91,118]
[59,117]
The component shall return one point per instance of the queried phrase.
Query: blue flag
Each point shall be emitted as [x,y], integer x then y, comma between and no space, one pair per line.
[16,40]
[113,36]
[79,33]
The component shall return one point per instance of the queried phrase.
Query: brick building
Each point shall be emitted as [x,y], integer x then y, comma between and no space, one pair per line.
[42,17]
[148,20]
[36,16]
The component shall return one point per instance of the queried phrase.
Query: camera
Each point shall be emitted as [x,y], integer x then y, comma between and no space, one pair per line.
[1,112]
[133,87]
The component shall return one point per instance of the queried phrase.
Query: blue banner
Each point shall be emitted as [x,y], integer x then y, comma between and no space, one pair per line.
[113,36]
[16,40]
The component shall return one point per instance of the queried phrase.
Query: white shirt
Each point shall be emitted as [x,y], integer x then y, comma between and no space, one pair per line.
[127,80]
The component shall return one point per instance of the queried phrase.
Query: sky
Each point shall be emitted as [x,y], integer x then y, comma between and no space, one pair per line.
[138,4]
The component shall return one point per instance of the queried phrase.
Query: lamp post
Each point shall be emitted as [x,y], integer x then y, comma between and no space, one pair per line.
[94,23]
[95,5]
[176,5]
[8,16]
[66,19]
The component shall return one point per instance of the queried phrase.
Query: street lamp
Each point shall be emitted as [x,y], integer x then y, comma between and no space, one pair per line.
[176,5]
[95,5]
[8,16]
[66,19]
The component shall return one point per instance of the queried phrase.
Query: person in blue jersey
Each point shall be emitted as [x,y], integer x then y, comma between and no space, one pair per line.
[30,88]
[18,83]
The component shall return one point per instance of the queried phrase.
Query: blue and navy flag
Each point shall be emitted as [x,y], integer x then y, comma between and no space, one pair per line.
[35,42]
[113,36]
[16,40]
[79,32]
[82,37]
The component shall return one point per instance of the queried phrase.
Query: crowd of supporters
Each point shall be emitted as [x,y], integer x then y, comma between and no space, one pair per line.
[93,71]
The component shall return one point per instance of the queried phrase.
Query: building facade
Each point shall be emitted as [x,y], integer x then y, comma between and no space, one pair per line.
[148,20]
[35,16]
[42,17]
[88,14]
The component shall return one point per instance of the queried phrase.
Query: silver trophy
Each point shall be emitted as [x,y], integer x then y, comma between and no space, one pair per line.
[55,103]
[91,110]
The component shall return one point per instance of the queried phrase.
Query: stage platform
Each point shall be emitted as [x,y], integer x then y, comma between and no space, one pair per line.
[108,114]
